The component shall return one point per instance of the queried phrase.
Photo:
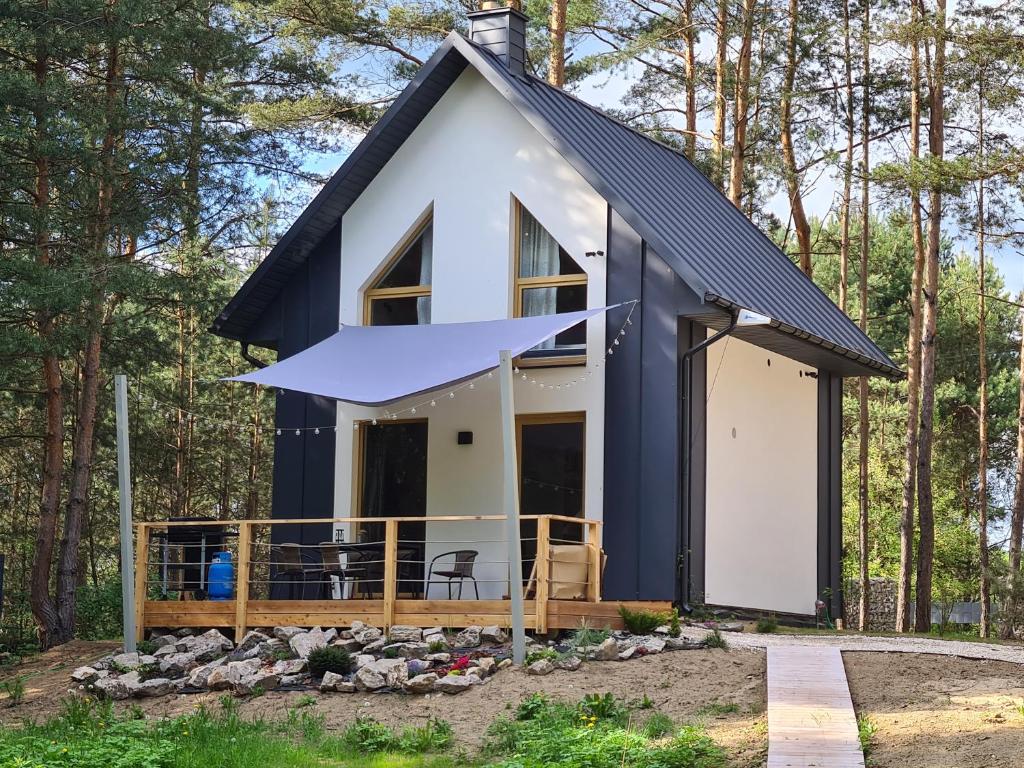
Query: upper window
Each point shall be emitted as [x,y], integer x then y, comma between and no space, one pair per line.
[401,296]
[548,281]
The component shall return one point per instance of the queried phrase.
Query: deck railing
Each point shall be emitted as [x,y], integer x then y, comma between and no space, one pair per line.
[386,556]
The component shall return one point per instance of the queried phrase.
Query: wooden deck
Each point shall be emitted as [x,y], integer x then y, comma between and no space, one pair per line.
[811,721]
[250,607]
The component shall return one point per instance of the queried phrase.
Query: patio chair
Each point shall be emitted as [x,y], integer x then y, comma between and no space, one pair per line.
[330,556]
[289,563]
[461,571]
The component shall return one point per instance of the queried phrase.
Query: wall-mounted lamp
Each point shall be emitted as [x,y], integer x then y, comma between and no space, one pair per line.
[464,438]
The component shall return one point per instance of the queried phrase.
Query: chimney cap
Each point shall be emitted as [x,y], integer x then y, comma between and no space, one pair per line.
[493,5]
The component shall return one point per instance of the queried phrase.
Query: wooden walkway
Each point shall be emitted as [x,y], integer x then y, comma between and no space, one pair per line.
[810,715]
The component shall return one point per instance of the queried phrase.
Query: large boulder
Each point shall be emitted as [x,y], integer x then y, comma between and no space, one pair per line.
[110,688]
[215,636]
[232,673]
[126,661]
[248,647]
[85,675]
[408,650]
[177,664]
[540,667]
[383,673]
[420,684]
[289,667]
[162,641]
[493,635]
[158,686]
[682,644]
[199,677]
[608,650]
[307,642]
[259,681]
[366,635]
[487,665]
[285,634]
[569,663]
[400,633]
[469,637]
[368,679]
[349,644]
[456,683]
[333,682]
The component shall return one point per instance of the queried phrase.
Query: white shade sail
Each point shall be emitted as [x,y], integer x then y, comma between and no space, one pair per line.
[379,364]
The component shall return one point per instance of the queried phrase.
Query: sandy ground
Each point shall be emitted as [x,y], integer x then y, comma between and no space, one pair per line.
[939,712]
[931,711]
[681,684]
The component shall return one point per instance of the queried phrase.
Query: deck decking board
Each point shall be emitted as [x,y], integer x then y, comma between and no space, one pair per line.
[811,722]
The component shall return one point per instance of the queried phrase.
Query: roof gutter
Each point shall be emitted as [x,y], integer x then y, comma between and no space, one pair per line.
[890,371]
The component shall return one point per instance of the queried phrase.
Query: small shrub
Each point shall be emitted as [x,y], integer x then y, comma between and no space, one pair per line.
[866,730]
[436,646]
[15,690]
[149,672]
[602,706]
[366,735]
[674,627]
[768,624]
[584,636]
[658,726]
[390,653]
[329,659]
[532,706]
[282,654]
[435,736]
[98,615]
[146,647]
[550,654]
[642,622]
[716,640]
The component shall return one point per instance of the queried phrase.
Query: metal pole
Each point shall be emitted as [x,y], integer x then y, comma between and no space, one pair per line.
[511,508]
[124,487]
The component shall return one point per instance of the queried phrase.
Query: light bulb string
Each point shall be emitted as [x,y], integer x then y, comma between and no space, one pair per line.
[172,410]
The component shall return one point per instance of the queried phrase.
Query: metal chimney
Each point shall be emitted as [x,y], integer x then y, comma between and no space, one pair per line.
[502,32]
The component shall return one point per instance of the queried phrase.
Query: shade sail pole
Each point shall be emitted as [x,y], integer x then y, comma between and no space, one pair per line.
[124,488]
[511,507]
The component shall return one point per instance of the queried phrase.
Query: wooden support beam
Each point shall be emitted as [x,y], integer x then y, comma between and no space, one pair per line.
[242,579]
[594,575]
[390,571]
[141,577]
[543,571]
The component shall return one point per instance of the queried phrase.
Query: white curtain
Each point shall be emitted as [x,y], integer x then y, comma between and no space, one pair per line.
[538,257]
[426,267]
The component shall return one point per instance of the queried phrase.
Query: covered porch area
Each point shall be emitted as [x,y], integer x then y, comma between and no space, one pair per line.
[388,575]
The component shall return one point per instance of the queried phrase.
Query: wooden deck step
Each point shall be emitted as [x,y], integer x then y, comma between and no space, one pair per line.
[811,722]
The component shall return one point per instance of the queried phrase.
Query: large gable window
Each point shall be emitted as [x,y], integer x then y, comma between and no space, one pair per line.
[401,295]
[548,281]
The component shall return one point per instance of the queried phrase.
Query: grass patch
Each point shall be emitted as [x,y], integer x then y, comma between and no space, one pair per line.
[767,625]
[718,709]
[598,732]
[643,622]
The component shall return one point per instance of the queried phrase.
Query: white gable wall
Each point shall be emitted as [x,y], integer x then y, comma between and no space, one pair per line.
[761,480]
[467,159]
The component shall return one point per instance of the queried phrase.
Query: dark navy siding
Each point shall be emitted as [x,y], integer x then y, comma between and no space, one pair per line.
[693,472]
[304,463]
[830,491]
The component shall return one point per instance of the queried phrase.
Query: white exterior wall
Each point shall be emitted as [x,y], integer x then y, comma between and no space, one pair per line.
[467,159]
[761,480]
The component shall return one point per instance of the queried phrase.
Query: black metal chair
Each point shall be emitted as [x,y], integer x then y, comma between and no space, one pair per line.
[461,570]
[289,563]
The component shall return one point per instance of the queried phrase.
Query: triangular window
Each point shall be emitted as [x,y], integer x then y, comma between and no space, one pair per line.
[401,296]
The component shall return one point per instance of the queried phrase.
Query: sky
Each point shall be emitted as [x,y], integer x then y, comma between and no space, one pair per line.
[608,90]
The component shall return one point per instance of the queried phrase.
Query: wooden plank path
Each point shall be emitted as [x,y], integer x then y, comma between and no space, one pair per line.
[811,722]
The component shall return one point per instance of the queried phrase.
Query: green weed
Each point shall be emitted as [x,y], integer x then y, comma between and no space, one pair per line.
[718,709]
[716,640]
[768,624]
[866,730]
[643,622]
[14,690]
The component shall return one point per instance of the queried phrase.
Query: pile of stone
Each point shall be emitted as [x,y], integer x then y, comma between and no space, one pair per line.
[405,659]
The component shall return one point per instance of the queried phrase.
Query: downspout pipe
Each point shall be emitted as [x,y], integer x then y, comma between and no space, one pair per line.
[249,357]
[684,596]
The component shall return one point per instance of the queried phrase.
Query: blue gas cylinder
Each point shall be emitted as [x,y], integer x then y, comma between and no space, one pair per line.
[221,581]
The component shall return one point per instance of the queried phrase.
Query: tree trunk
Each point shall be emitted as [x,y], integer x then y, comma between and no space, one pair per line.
[718,130]
[43,608]
[903,617]
[844,212]
[1017,515]
[741,106]
[556,38]
[796,201]
[690,37]
[985,625]
[862,389]
[925,501]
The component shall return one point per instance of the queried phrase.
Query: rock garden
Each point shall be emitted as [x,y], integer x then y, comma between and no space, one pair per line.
[360,658]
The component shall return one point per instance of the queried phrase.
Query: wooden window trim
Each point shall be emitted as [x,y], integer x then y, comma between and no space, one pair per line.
[359,457]
[567,417]
[524,283]
[410,292]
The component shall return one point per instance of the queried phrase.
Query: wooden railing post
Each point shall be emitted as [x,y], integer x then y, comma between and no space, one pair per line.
[543,571]
[141,577]
[594,576]
[390,571]
[242,579]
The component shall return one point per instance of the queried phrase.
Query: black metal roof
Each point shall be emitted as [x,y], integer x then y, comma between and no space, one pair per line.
[713,247]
